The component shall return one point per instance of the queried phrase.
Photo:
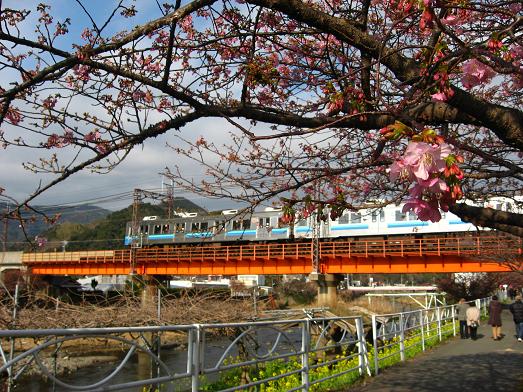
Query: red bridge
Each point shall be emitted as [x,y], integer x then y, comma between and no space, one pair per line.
[428,255]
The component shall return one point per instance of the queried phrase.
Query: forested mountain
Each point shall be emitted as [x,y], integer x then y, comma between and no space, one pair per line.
[102,229]
[35,224]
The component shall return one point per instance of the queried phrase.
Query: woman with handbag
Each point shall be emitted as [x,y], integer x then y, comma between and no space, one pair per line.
[473,316]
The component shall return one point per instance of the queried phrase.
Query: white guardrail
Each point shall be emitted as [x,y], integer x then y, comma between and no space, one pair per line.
[287,355]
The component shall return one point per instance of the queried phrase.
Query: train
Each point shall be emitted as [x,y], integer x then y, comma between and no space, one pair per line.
[236,226]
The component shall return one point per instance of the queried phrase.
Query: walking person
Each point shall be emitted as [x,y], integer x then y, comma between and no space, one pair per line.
[461,310]
[473,320]
[494,317]
[517,313]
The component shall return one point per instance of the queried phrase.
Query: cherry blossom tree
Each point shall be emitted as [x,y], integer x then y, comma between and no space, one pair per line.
[345,104]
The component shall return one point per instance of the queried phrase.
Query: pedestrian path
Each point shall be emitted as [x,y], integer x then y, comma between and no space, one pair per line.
[459,365]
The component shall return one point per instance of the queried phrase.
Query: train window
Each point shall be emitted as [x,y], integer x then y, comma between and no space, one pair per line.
[301,222]
[204,226]
[355,217]
[381,214]
[195,226]
[246,224]
[499,206]
[144,229]
[412,216]
[236,225]
[218,226]
[180,227]
[344,219]
[400,216]
[157,229]
[264,222]
[166,229]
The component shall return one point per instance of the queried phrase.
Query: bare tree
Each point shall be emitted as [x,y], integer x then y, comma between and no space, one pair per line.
[304,88]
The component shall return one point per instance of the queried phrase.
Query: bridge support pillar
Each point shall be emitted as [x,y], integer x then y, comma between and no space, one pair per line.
[327,284]
[149,292]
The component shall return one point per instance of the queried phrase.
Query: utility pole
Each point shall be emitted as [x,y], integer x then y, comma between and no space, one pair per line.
[6,221]
[316,227]
[135,232]
[316,243]
[136,239]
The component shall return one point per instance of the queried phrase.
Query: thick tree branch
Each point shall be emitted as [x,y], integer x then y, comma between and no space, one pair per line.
[488,217]
[506,123]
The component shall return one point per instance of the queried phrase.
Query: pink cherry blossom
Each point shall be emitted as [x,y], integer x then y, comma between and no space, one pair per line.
[433,185]
[440,97]
[425,210]
[92,136]
[422,159]
[451,20]
[476,73]
[399,170]
[13,115]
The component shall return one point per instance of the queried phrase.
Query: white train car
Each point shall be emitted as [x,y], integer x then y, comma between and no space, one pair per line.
[229,226]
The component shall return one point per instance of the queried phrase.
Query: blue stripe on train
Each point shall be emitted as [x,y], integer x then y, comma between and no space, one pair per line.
[351,226]
[407,224]
[456,222]
[206,234]
[161,236]
[240,232]
[303,229]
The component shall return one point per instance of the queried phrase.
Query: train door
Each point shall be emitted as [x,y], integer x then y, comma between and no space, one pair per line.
[377,218]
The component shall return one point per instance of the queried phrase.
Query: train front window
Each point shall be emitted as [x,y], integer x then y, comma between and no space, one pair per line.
[236,225]
[166,229]
[195,226]
[246,224]
[204,226]
[157,229]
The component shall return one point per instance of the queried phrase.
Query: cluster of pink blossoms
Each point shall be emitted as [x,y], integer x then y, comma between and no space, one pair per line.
[433,170]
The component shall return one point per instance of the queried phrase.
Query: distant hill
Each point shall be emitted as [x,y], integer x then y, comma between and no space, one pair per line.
[78,215]
[108,232]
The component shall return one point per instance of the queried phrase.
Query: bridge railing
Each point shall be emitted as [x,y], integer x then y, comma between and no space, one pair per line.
[465,245]
[402,335]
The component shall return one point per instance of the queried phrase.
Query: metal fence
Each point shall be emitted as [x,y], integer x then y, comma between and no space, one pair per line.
[403,334]
[285,355]
[208,352]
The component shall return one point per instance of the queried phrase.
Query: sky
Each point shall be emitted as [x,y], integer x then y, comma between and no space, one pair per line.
[140,170]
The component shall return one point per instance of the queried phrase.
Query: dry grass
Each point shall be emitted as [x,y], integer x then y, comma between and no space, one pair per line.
[126,311]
